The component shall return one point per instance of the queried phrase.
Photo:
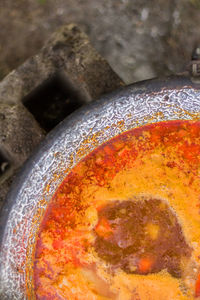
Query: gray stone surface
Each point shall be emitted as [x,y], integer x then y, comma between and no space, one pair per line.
[139,38]
[19,135]
[68,51]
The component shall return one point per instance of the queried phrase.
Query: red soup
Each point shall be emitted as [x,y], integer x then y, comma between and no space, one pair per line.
[125,222]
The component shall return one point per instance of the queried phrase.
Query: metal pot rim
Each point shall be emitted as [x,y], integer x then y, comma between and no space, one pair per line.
[154,90]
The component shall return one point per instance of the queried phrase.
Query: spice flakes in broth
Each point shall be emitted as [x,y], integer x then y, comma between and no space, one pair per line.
[124,224]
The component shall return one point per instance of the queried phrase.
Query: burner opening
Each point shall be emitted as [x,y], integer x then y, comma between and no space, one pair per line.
[4,164]
[52,101]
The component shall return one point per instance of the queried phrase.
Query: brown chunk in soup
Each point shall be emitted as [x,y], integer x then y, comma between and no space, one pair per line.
[142,237]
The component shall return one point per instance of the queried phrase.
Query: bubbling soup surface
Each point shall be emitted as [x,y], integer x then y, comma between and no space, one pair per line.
[125,222]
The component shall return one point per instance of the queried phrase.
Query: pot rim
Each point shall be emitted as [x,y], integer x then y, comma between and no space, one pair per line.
[146,87]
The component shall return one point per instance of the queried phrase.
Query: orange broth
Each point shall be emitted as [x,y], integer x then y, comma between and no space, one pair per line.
[125,222]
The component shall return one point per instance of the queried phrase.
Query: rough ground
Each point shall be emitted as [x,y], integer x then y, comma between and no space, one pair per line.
[139,38]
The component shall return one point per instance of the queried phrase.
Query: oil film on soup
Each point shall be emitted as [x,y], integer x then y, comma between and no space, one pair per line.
[125,222]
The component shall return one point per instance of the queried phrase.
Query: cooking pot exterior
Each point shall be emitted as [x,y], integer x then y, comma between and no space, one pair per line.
[139,104]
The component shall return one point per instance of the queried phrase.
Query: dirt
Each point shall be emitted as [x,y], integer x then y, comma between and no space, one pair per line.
[140,39]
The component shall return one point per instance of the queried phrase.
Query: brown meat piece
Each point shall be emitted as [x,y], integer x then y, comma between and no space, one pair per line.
[144,237]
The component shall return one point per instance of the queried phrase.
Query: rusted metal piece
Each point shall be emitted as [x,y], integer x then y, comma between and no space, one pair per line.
[67,55]
[194,67]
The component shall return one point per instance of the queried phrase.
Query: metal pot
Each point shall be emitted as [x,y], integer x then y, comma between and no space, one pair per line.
[132,106]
